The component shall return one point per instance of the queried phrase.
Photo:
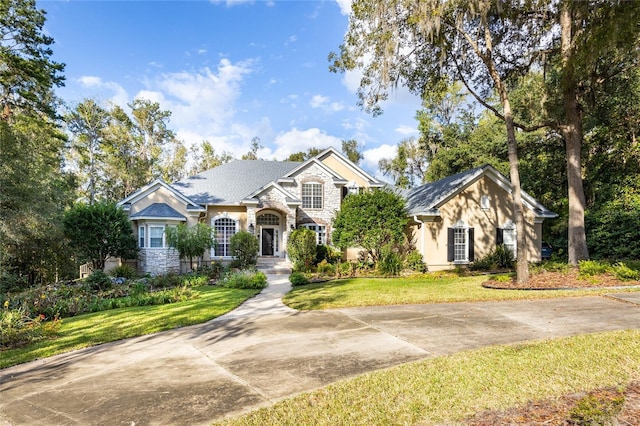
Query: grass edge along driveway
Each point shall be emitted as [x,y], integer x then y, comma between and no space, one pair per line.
[357,292]
[445,390]
[117,324]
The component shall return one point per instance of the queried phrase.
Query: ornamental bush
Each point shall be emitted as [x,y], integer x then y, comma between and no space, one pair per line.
[245,280]
[301,248]
[244,247]
[298,278]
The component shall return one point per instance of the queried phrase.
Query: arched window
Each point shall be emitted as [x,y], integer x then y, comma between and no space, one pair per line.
[225,228]
[268,219]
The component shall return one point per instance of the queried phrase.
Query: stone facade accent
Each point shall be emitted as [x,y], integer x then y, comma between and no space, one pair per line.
[331,198]
[159,261]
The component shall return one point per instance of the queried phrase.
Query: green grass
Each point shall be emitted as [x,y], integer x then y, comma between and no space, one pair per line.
[355,292]
[446,390]
[108,326]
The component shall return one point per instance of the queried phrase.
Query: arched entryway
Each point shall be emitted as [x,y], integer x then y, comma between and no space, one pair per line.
[269,228]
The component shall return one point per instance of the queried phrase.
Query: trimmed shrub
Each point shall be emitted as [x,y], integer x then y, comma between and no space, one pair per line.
[297,279]
[245,280]
[213,271]
[390,262]
[414,262]
[326,268]
[98,281]
[244,247]
[124,271]
[328,253]
[346,269]
[165,281]
[301,248]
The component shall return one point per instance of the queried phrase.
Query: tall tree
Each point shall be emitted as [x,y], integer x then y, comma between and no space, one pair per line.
[253,151]
[33,188]
[206,158]
[153,135]
[125,169]
[598,39]
[409,166]
[304,155]
[425,44]
[352,150]
[87,123]
[27,72]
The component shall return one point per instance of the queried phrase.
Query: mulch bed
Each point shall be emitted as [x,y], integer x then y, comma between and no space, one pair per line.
[558,411]
[561,280]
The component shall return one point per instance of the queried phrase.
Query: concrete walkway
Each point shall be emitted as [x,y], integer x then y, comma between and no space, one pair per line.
[263,352]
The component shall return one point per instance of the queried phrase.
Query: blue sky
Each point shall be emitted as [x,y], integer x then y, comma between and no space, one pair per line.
[227,70]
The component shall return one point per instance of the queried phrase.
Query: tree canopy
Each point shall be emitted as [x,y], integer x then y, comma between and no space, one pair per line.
[371,220]
[99,231]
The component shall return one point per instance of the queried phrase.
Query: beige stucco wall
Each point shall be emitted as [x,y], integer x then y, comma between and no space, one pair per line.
[431,236]
[161,195]
[344,171]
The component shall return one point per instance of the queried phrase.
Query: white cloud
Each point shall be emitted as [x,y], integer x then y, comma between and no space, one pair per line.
[345,6]
[372,156]
[106,89]
[406,130]
[296,140]
[203,102]
[319,101]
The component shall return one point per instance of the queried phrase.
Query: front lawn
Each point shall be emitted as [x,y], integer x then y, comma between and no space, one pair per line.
[108,326]
[354,292]
[447,390]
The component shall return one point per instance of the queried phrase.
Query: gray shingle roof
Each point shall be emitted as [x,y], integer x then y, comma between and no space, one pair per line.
[158,210]
[229,183]
[425,198]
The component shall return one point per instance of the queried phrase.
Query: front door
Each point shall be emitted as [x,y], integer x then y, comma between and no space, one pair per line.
[267,241]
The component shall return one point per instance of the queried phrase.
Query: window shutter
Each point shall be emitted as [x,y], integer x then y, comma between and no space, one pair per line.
[471,249]
[450,247]
[499,236]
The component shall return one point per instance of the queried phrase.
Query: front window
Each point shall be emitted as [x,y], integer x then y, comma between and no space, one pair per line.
[156,236]
[460,244]
[509,238]
[320,230]
[225,228]
[141,236]
[312,196]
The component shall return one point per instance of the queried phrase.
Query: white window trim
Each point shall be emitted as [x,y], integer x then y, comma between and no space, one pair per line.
[485,202]
[511,227]
[460,225]
[142,237]
[321,237]
[213,225]
[312,196]
[164,241]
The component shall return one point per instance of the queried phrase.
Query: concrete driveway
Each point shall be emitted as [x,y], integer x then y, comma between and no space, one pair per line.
[263,352]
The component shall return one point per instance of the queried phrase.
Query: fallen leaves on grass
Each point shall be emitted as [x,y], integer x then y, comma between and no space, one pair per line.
[558,411]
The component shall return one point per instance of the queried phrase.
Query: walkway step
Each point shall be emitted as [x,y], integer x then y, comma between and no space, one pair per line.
[274,266]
